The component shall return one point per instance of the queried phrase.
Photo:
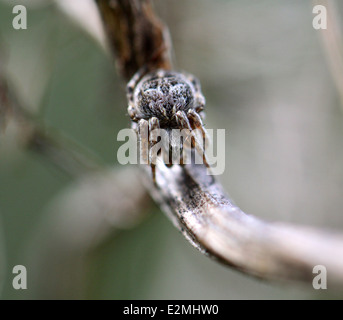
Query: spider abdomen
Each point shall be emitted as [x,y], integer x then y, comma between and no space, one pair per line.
[162,97]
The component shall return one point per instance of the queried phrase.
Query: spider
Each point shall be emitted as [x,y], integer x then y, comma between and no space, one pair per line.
[164,99]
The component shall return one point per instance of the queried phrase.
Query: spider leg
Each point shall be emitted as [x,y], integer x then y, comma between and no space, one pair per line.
[174,148]
[179,154]
[183,156]
[196,123]
[143,140]
[154,126]
[131,111]
[184,123]
[199,101]
[130,88]
[195,81]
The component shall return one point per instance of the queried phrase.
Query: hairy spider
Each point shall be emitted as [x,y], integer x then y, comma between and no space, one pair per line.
[164,99]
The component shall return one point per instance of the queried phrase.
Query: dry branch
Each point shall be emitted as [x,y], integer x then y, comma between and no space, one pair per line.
[135,34]
[203,212]
[196,202]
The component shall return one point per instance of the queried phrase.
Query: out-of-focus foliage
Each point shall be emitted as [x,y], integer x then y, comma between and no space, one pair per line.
[266,81]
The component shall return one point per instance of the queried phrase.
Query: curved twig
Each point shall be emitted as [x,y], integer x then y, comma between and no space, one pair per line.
[197,203]
[201,209]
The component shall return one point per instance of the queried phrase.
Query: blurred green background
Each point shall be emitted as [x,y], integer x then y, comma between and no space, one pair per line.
[266,81]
